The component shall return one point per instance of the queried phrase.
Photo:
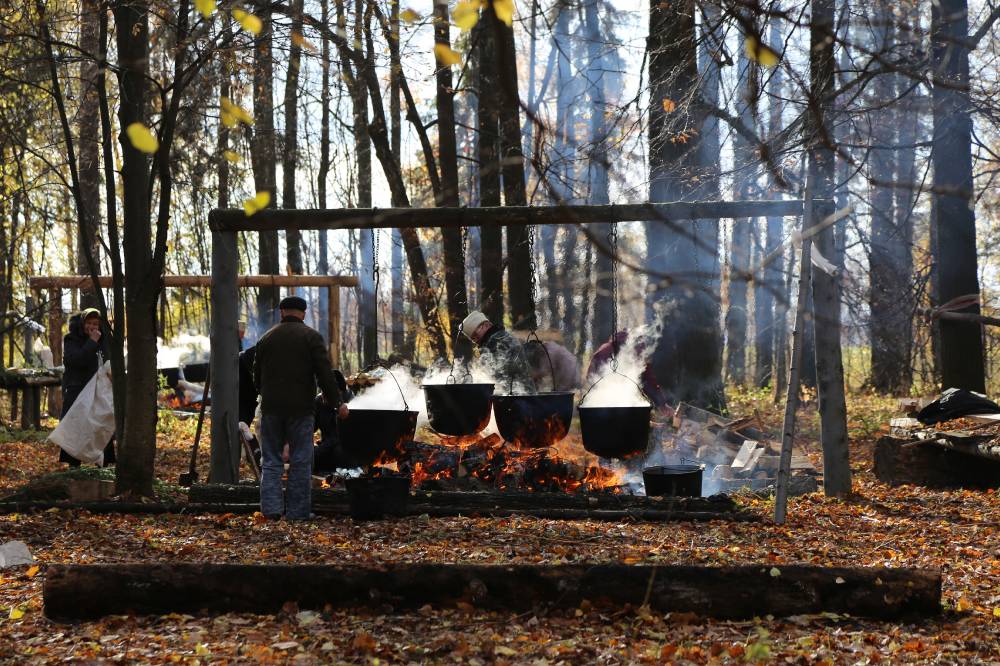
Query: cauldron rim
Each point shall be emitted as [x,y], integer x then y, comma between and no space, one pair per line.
[667,470]
[477,384]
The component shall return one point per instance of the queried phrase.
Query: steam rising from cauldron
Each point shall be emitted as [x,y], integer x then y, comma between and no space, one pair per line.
[608,387]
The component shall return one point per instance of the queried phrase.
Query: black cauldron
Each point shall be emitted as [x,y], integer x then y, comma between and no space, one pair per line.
[672,481]
[533,421]
[458,409]
[372,497]
[615,432]
[367,434]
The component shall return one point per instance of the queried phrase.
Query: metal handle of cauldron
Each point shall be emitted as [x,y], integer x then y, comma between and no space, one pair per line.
[583,398]
[406,405]
[538,341]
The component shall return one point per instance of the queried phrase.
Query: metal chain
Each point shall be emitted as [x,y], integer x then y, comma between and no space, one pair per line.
[375,274]
[533,280]
[613,244]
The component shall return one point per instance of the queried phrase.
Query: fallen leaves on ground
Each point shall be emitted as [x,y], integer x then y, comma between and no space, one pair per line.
[958,532]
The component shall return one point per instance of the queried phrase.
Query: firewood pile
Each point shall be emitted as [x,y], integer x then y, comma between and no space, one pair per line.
[736,453]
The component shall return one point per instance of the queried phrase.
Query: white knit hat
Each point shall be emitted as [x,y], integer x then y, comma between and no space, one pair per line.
[472,322]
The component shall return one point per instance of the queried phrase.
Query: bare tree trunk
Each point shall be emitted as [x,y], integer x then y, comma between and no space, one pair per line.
[289,159]
[597,167]
[826,288]
[771,360]
[491,235]
[395,139]
[323,267]
[887,282]
[955,257]
[520,266]
[687,360]
[739,254]
[452,244]
[88,119]
[263,157]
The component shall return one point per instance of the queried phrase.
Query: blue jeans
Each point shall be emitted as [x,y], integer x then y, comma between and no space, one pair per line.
[297,431]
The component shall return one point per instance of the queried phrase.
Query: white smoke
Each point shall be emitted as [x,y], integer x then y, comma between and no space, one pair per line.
[183,349]
[394,389]
[619,386]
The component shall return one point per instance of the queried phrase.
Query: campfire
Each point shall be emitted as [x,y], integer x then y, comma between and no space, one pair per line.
[488,463]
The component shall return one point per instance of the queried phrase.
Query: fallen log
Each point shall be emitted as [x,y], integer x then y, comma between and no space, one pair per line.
[79,592]
[414,509]
[928,464]
[506,500]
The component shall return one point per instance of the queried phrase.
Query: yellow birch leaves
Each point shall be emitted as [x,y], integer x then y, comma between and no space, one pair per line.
[504,10]
[142,138]
[761,53]
[446,56]
[248,21]
[232,114]
[257,203]
[205,7]
[466,14]
[409,16]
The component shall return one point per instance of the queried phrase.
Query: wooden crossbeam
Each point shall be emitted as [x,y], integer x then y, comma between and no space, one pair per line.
[388,218]
[84,281]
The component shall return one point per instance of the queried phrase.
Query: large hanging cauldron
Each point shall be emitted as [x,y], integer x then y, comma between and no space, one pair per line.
[533,421]
[458,409]
[367,434]
[615,432]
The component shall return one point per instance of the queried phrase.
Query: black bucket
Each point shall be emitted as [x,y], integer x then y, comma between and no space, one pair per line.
[672,481]
[458,409]
[367,434]
[533,421]
[372,497]
[615,432]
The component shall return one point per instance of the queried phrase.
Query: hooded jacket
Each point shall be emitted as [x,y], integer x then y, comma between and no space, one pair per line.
[80,361]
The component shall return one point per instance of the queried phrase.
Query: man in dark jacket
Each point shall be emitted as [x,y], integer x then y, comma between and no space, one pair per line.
[290,358]
[83,349]
[510,364]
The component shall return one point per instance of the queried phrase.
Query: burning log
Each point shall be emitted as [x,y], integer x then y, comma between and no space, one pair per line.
[78,592]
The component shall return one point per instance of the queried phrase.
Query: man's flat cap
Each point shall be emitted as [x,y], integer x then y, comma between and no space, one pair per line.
[292,303]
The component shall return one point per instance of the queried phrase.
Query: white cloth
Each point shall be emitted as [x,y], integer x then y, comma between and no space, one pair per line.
[89,424]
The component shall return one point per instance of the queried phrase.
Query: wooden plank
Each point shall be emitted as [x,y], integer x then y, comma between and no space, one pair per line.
[744,454]
[56,345]
[333,316]
[390,218]
[191,281]
[88,591]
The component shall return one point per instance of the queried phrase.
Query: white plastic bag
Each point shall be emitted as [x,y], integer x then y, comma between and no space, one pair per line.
[89,424]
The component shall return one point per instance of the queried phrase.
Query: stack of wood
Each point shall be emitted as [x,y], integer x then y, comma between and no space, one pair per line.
[961,453]
[736,453]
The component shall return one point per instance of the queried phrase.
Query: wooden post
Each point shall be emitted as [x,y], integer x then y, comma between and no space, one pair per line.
[333,303]
[55,344]
[224,362]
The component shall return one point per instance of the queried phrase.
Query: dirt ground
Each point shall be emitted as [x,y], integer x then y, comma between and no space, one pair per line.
[957,532]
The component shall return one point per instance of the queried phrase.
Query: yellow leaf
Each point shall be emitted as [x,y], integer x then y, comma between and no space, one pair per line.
[257,203]
[504,10]
[236,113]
[466,14]
[249,22]
[963,605]
[16,613]
[409,16]
[300,41]
[996,613]
[32,571]
[231,156]
[205,7]
[761,53]
[446,56]
[775,572]
[142,138]
[669,106]
[202,650]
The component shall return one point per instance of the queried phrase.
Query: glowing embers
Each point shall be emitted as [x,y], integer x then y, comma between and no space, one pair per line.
[533,421]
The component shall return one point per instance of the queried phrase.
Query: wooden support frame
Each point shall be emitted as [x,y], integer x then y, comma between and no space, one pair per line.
[225,223]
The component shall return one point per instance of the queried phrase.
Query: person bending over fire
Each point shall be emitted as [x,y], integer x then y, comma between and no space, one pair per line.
[83,349]
[290,358]
[511,368]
